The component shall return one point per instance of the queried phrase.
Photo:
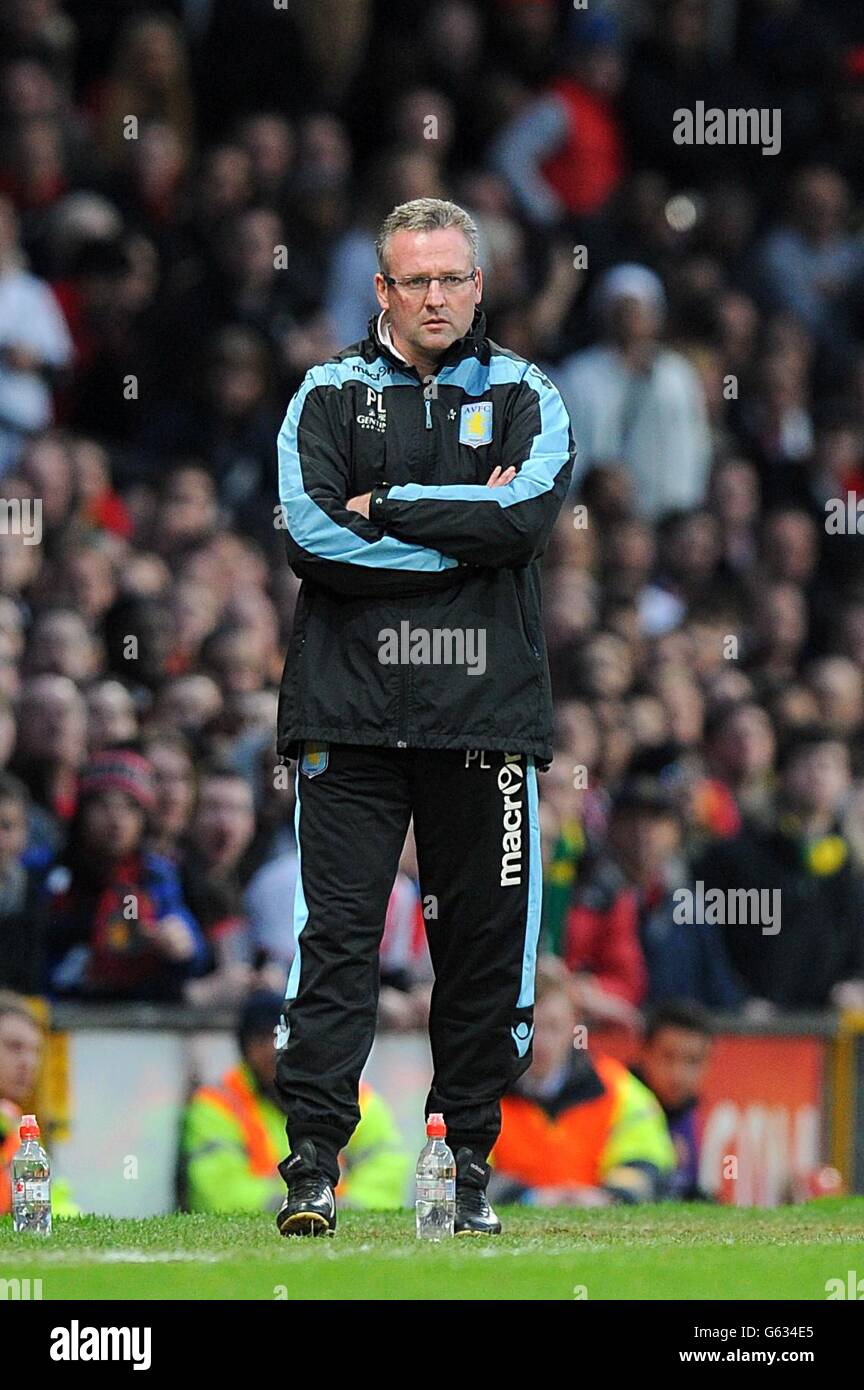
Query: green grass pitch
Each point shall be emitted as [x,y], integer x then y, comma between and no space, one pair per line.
[659,1252]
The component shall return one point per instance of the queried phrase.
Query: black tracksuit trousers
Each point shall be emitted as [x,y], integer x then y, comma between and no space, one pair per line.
[478,848]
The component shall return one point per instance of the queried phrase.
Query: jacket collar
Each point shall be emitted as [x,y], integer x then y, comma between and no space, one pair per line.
[382,332]
[472,344]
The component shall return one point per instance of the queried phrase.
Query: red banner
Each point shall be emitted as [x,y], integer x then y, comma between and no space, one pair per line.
[761,1119]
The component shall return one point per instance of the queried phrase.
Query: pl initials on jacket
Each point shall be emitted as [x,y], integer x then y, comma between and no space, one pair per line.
[439,549]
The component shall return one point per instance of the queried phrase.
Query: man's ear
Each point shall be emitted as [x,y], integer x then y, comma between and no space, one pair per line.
[478,286]
[382,291]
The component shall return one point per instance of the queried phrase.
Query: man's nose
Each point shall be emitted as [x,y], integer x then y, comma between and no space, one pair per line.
[435,294]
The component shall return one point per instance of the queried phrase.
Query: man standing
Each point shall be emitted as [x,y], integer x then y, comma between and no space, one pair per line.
[420,474]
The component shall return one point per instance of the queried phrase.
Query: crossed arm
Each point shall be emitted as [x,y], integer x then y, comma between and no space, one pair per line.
[497,478]
[411,538]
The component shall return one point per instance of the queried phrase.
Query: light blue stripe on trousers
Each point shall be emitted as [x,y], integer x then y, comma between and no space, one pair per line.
[535,892]
[301,908]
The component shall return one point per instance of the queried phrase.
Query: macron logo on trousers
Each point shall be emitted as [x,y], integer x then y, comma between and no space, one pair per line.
[77,1343]
[511,781]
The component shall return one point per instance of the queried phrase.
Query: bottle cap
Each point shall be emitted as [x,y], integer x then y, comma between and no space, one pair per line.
[28,1129]
[435,1127]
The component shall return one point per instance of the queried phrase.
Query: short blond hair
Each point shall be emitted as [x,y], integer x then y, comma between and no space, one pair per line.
[426,215]
[16,1006]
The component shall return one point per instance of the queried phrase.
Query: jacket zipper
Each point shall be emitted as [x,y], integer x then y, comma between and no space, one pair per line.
[402,742]
[406,674]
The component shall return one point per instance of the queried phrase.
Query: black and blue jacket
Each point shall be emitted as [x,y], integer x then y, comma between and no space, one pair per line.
[441,553]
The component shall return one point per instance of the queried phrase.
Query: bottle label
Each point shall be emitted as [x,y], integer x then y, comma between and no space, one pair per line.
[31,1190]
[436,1189]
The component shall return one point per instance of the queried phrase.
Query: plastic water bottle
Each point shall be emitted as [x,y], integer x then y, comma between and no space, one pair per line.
[31,1182]
[436,1184]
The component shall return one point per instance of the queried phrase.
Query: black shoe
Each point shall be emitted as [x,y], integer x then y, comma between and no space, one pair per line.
[474,1216]
[310,1207]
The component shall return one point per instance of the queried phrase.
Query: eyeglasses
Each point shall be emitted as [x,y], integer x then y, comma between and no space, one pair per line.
[416,285]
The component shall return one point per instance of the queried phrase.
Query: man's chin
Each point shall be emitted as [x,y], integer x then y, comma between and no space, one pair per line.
[437,338]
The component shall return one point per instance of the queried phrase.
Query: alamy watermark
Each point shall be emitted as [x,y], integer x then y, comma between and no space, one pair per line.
[436,646]
[728,907]
[21,516]
[20,1289]
[851,1287]
[77,1343]
[737,126]
[844,516]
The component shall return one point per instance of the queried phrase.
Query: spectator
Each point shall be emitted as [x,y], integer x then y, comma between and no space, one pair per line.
[673,1059]
[740,745]
[220,833]
[23,914]
[632,399]
[577,1130]
[61,645]
[234,1133]
[812,956]
[51,747]
[118,924]
[34,345]
[837,686]
[111,715]
[20,1062]
[148,78]
[811,265]
[175,786]
[623,928]
[563,155]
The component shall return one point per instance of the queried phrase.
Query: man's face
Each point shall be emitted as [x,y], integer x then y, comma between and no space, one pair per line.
[54,721]
[644,840]
[224,821]
[13,831]
[260,1054]
[817,778]
[175,787]
[111,714]
[61,646]
[113,824]
[427,323]
[673,1064]
[632,321]
[188,508]
[746,744]
[20,1052]
[239,663]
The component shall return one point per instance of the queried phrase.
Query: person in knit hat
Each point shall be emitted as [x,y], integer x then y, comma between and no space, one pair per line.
[119,927]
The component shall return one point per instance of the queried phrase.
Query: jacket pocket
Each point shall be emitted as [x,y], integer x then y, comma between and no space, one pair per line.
[527,631]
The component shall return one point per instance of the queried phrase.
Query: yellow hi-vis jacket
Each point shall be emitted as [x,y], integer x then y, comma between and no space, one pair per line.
[234,1136]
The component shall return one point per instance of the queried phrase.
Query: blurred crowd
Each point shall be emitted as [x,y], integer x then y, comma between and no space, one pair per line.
[188,202]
